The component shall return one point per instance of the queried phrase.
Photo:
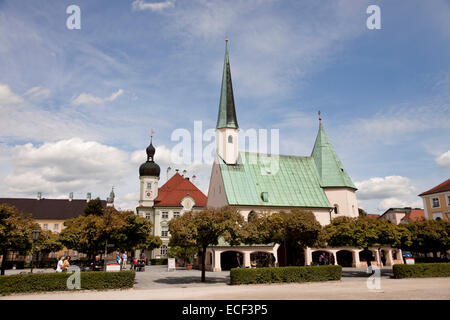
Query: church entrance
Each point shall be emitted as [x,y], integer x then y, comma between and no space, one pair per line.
[231,259]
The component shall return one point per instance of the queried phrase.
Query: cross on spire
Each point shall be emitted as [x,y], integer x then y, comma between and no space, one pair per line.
[320,118]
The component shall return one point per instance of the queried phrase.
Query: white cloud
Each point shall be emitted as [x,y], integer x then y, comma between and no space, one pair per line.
[128,201]
[139,5]
[379,188]
[444,160]
[37,93]
[7,97]
[89,99]
[66,165]
[393,202]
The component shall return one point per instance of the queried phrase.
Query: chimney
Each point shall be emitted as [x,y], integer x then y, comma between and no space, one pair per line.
[168,172]
[176,170]
[39,195]
[193,178]
[88,197]
[71,196]
[184,173]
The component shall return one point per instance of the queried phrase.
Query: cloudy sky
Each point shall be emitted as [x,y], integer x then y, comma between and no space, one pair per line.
[77,106]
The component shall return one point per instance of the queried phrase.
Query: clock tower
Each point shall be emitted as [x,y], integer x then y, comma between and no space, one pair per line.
[149,177]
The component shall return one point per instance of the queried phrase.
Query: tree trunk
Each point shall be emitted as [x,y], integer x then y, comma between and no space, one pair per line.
[5,255]
[203,264]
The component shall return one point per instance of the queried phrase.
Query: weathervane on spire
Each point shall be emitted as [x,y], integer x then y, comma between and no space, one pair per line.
[151,134]
[320,118]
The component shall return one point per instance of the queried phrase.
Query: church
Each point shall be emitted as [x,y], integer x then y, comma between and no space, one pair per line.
[318,183]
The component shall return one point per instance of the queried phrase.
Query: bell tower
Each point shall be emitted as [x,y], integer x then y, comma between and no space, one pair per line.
[227,127]
[149,176]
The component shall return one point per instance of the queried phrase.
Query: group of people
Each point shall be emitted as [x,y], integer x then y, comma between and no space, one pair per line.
[134,263]
[326,259]
[63,264]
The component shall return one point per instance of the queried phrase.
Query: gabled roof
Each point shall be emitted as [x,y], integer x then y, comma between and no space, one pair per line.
[443,187]
[227,111]
[330,169]
[176,189]
[414,215]
[53,209]
[295,183]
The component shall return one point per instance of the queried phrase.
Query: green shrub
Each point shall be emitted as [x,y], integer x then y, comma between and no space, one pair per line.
[158,262]
[285,274]
[40,282]
[421,270]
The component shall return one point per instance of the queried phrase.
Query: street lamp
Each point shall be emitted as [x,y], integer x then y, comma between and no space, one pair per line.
[35,235]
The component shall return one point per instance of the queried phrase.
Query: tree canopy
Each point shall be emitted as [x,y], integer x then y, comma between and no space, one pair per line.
[201,229]
[429,236]
[123,229]
[15,232]
[363,232]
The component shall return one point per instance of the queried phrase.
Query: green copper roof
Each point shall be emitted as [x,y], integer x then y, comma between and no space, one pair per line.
[294,184]
[227,111]
[330,169]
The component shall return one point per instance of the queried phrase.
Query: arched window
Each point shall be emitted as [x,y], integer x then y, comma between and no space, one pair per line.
[230,139]
[251,216]
[336,208]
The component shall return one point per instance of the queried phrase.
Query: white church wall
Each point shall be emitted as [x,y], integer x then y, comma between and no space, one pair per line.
[346,200]
[227,144]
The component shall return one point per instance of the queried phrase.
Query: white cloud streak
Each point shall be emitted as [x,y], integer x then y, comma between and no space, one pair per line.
[141,5]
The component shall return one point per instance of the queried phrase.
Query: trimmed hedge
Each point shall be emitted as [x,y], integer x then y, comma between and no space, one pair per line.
[285,274]
[158,262]
[421,270]
[40,282]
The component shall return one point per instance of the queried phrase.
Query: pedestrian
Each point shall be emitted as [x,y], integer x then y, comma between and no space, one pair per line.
[66,264]
[321,259]
[332,259]
[124,260]
[60,265]
[118,260]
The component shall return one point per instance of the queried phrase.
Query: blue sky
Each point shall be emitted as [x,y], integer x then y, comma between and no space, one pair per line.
[77,106]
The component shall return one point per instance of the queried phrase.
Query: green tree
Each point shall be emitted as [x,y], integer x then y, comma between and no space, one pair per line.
[47,242]
[201,229]
[125,230]
[185,253]
[15,232]
[363,232]
[294,229]
[429,236]
[94,207]
[362,212]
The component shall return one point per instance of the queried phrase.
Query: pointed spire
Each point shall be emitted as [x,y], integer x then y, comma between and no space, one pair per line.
[331,171]
[227,111]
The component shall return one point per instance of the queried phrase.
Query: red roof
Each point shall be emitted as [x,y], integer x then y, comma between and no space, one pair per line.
[176,189]
[444,186]
[414,215]
[373,216]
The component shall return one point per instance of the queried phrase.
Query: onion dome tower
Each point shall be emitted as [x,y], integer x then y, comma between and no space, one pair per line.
[149,176]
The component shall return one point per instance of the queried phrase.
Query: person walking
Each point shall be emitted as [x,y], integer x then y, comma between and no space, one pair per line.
[60,265]
[66,263]
[118,260]
[124,260]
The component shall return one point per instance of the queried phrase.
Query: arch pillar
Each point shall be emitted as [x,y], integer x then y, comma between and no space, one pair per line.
[356,262]
[333,252]
[216,256]
[389,259]
[246,259]
[308,256]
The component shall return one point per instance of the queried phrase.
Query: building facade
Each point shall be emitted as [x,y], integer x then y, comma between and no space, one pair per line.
[403,215]
[159,205]
[436,202]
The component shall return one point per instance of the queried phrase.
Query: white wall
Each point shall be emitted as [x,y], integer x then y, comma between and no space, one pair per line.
[346,200]
[227,151]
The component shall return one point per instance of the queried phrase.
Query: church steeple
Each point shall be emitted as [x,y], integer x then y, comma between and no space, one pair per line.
[331,170]
[227,111]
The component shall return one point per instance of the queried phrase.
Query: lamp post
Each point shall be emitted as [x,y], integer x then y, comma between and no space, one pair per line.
[35,235]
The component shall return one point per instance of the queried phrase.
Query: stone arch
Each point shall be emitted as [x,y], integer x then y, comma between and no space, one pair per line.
[231,259]
[251,216]
[261,259]
[344,258]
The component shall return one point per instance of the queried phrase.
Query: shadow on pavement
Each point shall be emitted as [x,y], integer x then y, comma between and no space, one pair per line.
[189,280]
